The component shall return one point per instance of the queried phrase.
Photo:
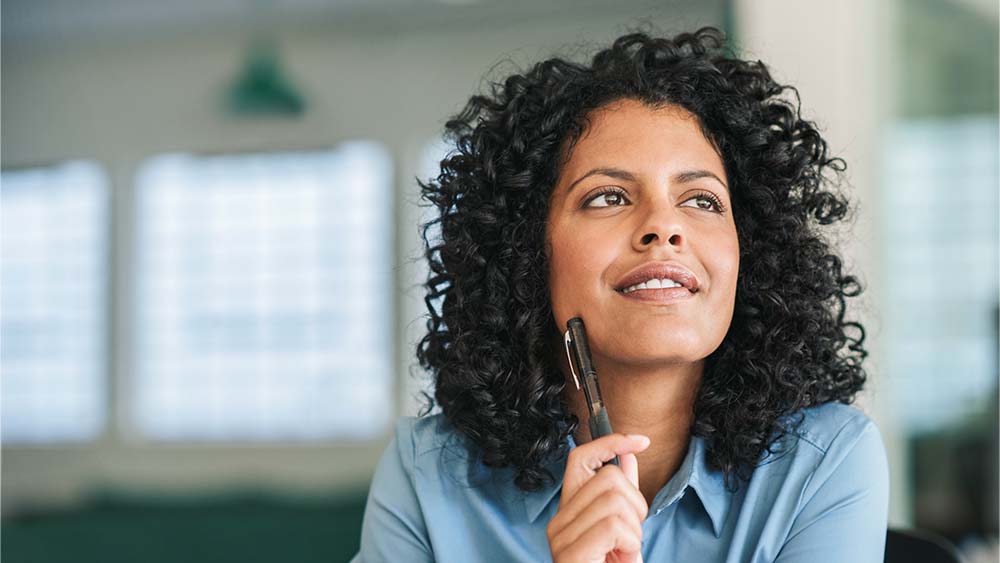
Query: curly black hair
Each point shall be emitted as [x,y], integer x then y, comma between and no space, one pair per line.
[490,322]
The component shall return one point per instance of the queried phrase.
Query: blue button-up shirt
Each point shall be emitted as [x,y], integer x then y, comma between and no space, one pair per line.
[825,499]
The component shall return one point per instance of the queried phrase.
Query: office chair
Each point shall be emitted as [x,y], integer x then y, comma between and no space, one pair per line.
[918,546]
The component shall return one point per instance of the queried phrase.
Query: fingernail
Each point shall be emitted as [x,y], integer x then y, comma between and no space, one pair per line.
[644,440]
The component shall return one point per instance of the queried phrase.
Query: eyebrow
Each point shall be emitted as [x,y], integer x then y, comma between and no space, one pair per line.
[680,178]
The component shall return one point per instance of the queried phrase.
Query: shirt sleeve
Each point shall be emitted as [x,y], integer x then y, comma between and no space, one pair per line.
[845,517]
[393,528]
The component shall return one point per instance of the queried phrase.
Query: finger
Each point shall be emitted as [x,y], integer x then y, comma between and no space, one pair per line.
[630,467]
[602,538]
[586,460]
[610,478]
[619,557]
[611,503]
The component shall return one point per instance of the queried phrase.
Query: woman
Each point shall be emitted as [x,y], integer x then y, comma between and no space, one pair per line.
[670,197]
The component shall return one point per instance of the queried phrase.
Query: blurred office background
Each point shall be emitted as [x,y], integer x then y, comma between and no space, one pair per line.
[211,265]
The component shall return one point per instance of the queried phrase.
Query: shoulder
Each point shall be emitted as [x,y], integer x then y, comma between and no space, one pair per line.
[433,449]
[425,434]
[820,438]
[406,500]
[832,426]
[828,493]
[833,447]
[445,469]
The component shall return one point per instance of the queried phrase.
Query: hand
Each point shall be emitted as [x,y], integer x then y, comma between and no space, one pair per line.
[601,509]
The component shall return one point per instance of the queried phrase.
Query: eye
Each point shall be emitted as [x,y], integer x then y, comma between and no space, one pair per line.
[713,202]
[607,197]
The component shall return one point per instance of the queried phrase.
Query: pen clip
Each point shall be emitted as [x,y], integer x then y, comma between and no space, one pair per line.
[569,357]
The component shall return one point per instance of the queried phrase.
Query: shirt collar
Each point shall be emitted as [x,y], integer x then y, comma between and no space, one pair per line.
[710,485]
[693,472]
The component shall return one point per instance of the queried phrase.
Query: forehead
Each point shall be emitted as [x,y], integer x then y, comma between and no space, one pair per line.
[631,134]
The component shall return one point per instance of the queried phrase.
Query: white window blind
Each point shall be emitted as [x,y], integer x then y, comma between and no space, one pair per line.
[941,207]
[264,296]
[54,322]
[418,213]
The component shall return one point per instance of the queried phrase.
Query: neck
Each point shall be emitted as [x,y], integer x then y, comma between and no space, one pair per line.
[656,401]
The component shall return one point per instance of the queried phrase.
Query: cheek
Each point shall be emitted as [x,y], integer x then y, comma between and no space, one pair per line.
[562,264]
[728,268]
[732,267]
[576,265]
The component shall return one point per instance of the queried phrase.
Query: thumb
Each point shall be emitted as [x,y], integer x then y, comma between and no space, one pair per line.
[630,466]
[590,457]
[585,461]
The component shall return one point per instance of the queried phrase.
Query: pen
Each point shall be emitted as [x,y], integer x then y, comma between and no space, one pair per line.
[578,353]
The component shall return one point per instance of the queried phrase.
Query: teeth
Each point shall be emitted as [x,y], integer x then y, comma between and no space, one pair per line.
[652,284]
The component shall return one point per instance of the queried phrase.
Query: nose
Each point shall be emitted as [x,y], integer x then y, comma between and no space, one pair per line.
[660,225]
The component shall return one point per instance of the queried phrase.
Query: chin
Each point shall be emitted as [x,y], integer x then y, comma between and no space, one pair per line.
[659,348]
[658,360]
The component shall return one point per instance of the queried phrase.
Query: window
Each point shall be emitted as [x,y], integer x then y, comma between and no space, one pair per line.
[264,296]
[941,209]
[415,214]
[54,318]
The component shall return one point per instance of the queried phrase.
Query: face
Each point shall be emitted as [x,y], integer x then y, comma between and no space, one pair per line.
[643,195]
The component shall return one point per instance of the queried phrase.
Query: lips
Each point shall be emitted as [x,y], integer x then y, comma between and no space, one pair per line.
[659,270]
